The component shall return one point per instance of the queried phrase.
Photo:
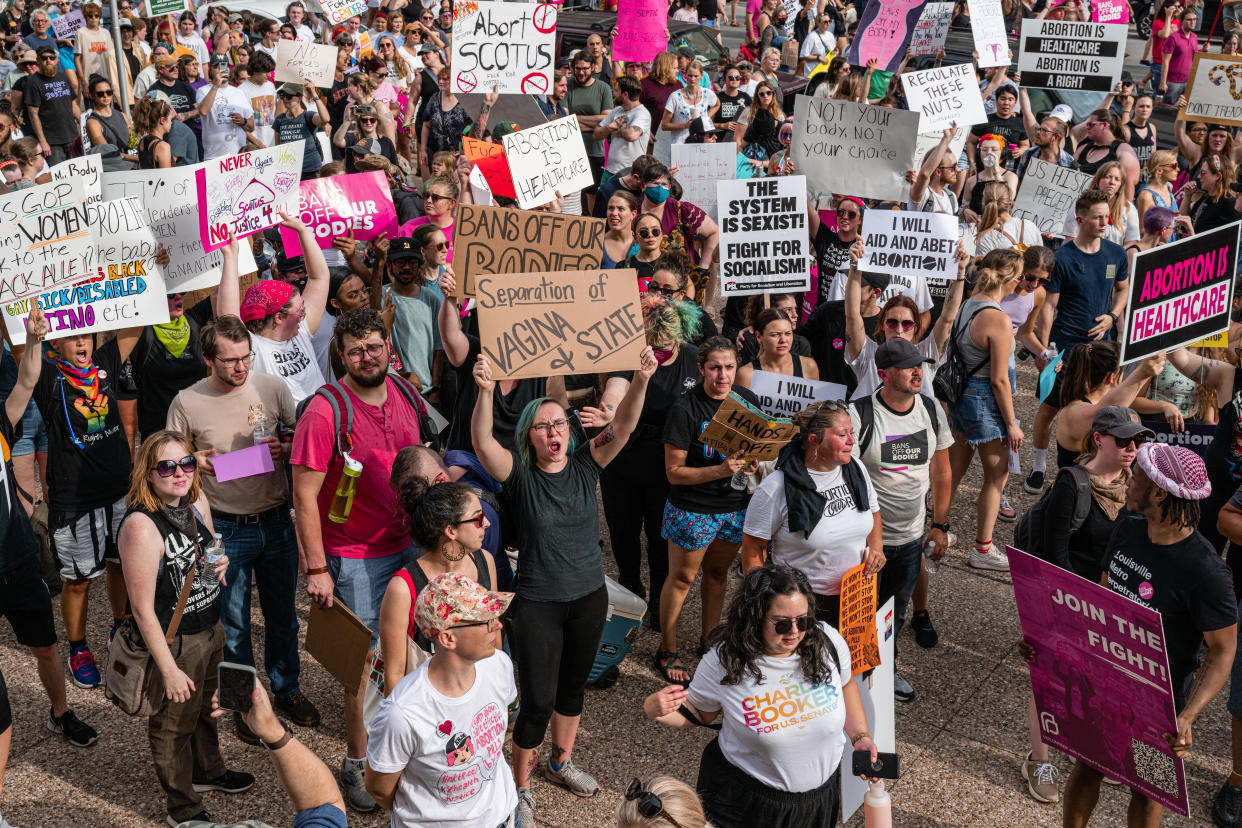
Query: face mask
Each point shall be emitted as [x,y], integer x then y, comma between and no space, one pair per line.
[989,162]
[662,354]
[656,193]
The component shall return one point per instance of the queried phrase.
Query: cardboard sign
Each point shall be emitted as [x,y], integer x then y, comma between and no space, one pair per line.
[545,159]
[246,462]
[699,167]
[507,45]
[45,239]
[876,691]
[642,30]
[501,240]
[338,640]
[1180,293]
[240,195]
[784,396]
[88,169]
[900,242]
[987,25]
[932,29]
[1110,11]
[1047,194]
[338,11]
[854,149]
[944,95]
[857,623]
[65,25]
[297,61]
[1100,677]
[360,203]
[168,197]
[764,242]
[572,322]
[1195,436]
[1214,90]
[884,33]
[1060,54]
[739,426]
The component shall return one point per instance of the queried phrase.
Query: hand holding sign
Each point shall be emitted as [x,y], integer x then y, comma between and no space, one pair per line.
[36,324]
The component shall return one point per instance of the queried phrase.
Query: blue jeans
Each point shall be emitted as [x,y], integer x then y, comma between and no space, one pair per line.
[898,579]
[268,551]
[360,583]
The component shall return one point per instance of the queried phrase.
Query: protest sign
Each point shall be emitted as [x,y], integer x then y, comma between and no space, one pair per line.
[1062,54]
[899,242]
[500,44]
[65,25]
[474,149]
[1214,90]
[544,159]
[784,396]
[926,141]
[739,426]
[1194,436]
[1110,11]
[45,239]
[944,95]
[854,149]
[339,205]
[159,8]
[240,195]
[932,29]
[338,11]
[88,169]
[571,322]
[857,627]
[876,692]
[499,240]
[168,197]
[1180,293]
[1047,194]
[490,162]
[122,286]
[1100,677]
[987,25]
[699,167]
[479,189]
[642,30]
[763,237]
[297,61]
[884,33]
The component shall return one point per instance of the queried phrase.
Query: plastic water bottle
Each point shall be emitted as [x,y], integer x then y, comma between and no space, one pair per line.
[929,564]
[346,488]
[738,480]
[1050,354]
[261,431]
[216,550]
[511,552]
[877,806]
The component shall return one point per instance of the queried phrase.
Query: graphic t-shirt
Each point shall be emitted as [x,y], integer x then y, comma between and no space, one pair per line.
[202,605]
[1084,282]
[450,751]
[302,128]
[17,541]
[53,97]
[832,254]
[731,106]
[1011,129]
[913,285]
[683,429]
[221,136]
[180,95]
[292,360]
[262,99]
[784,731]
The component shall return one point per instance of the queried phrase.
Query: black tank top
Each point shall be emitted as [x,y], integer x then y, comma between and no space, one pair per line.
[202,607]
[1223,457]
[1089,167]
[146,152]
[1144,144]
[115,130]
[797,364]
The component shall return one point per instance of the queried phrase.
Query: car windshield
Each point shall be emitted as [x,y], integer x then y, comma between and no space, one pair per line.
[706,49]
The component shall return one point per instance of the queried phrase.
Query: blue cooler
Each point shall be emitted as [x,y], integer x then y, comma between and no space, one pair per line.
[625,619]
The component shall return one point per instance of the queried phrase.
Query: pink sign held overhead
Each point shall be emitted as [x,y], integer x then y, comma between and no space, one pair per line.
[642,30]
[1110,11]
[246,462]
[334,207]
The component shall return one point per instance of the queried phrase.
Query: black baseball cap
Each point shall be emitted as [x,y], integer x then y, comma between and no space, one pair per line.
[898,353]
[403,248]
[1119,421]
[285,265]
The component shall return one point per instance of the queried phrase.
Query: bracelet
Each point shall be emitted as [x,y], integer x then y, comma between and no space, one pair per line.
[862,734]
[318,570]
[283,740]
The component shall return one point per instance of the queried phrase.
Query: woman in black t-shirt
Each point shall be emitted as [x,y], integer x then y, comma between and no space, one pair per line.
[297,124]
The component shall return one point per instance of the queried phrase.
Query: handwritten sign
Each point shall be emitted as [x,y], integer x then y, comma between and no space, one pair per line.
[932,29]
[739,426]
[699,167]
[240,195]
[784,396]
[642,30]
[547,158]
[65,25]
[88,169]
[1214,90]
[944,95]
[901,242]
[857,626]
[360,204]
[1061,54]
[884,33]
[297,61]
[507,45]
[987,25]
[490,162]
[338,11]
[854,149]
[763,235]
[45,239]
[498,240]
[1047,194]
[1180,293]
[926,141]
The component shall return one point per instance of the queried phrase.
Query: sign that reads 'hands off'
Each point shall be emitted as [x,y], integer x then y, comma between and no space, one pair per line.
[501,44]
[763,235]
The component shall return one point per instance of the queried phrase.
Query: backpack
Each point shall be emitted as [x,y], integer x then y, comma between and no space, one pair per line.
[865,407]
[1028,535]
[343,411]
[952,374]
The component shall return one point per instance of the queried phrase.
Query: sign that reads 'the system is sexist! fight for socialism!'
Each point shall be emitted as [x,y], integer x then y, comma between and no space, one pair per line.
[763,236]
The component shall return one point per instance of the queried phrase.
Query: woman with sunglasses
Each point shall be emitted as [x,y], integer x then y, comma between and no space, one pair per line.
[659,802]
[296,123]
[686,227]
[399,69]
[106,124]
[1158,191]
[760,139]
[619,217]
[164,543]
[1209,200]
[769,639]
[648,245]
[670,278]
[94,52]
[364,121]
[558,615]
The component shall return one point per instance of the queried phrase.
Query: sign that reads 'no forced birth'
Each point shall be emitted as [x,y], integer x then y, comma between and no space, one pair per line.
[545,159]
[1061,54]
[240,195]
[763,236]
[507,45]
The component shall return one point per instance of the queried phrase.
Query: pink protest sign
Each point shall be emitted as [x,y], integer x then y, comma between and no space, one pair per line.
[240,195]
[333,207]
[1100,677]
[884,33]
[245,462]
[1110,11]
[642,30]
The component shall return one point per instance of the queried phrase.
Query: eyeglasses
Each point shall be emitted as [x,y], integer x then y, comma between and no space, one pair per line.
[167,468]
[231,363]
[1197,129]
[439,247]
[784,625]
[557,426]
[649,805]
[1126,442]
[356,354]
[477,520]
[669,292]
[649,234]
[903,324]
[489,623]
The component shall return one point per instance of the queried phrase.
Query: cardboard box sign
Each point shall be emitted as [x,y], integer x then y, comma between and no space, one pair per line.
[739,426]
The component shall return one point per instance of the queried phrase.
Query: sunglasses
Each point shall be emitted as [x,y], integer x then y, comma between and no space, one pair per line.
[649,805]
[439,246]
[477,520]
[102,93]
[1035,280]
[733,77]
[1125,442]
[649,234]
[784,625]
[848,214]
[438,197]
[652,287]
[765,94]
[903,324]
[364,120]
[167,468]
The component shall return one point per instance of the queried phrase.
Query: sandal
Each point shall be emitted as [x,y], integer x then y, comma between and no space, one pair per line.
[667,662]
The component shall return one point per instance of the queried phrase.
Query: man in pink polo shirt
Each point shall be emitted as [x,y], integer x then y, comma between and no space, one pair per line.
[353,561]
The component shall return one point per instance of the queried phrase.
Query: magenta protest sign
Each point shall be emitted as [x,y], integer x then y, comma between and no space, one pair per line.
[642,30]
[884,33]
[1110,11]
[1100,676]
[360,203]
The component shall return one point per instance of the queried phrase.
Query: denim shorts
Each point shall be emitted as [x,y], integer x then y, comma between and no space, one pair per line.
[34,433]
[976,414]
[360,583]
[692,530]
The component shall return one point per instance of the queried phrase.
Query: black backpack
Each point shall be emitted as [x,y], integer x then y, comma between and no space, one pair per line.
[1028,534]
[953,372]
[865,406]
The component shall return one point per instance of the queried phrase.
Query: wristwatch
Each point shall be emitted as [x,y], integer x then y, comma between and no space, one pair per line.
[943,527]
[283,740]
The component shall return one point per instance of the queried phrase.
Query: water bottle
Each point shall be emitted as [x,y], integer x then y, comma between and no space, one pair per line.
[261,431]
[877,806]
[346,488]
[929,564]
[1050,354]
[215,551]
[738,480]
[511,552]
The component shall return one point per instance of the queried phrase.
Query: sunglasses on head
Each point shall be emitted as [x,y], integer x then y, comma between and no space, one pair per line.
[167,468]
[784,625]
[903,324]
[649,805]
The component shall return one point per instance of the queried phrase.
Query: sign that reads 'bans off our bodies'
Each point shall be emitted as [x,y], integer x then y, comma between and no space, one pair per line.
[509,46]
[1060,54]
[763,235]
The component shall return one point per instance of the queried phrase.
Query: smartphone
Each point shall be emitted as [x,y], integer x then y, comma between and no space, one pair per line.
[236,685]
[224,72]
[884,767]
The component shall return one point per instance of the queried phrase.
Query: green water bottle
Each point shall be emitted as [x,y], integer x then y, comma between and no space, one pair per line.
[346,488]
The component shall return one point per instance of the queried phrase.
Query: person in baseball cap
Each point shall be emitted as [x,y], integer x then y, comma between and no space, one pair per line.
[1119,421]
[899,353]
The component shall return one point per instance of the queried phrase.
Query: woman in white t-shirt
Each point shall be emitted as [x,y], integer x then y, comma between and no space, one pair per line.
[685,106]
[1123,224]
[775,761]
[998,229]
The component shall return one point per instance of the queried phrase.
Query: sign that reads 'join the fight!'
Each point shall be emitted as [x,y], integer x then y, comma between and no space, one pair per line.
[1180,293]
[1059,54]
[507,45]
[763,236]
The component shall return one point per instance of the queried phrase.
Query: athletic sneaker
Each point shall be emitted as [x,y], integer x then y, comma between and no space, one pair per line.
[77,732]
[352,772]
[902,691]
[994,560]
[82,669]
[526,808]
[1034,482]
[925,634]
[1006,511]
[1041,780]
[201,816]
[571,777]
[229,782]
[1227,807]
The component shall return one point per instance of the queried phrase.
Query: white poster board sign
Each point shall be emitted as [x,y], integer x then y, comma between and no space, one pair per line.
[240,195]
[763,236]
[944,95]
[932,29]
[64,26]
[1062,54]
[879,705]
[699,167]
[1047,194]
[901,242]
[88,169]
[45,240]
[338,11]
[1213,93]
[783,396]
[297,61]
[987,24]
[546,158]
[854,149]
[503,44]
[926,141]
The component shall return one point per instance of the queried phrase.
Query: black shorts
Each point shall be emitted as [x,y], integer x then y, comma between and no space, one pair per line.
[6,712]
[597,170]
[26,602]
[1054,396]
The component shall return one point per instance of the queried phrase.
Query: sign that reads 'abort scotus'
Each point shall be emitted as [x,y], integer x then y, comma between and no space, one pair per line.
[45,239]
[763,235]
[1214,90]
[1180,293]
[572,322]
[510,46]
[1059,54]
[739,426]
[545,159]
[501,240]
[899,242]
[1047,194]
[859,149]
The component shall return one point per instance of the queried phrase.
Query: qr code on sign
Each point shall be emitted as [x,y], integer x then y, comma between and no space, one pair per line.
[1154,767]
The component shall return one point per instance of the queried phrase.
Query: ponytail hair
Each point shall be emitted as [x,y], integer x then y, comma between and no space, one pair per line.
[996,268]
[1088,366]
[995,193]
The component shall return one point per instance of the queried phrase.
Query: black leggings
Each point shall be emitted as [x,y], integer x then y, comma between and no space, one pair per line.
[554,645]
[634,488]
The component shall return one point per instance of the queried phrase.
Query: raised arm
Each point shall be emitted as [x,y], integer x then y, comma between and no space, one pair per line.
[29,368]
[855,329]
[1213,373]
[610,441]
[448,319]
[929,164]
[228,295]
[495,458]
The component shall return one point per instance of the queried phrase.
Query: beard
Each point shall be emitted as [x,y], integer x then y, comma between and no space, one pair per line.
[370,380]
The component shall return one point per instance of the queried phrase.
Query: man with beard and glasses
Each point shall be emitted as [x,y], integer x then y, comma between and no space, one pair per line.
[232,409]
[352,561]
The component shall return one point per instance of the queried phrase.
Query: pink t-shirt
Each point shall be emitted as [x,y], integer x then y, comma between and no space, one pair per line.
[374,528]
[406,230]
[753,7]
